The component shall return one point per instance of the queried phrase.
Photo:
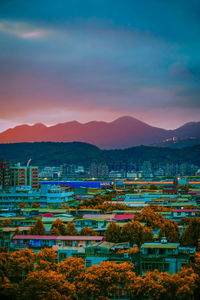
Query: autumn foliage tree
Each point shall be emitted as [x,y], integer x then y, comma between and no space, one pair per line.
[191,234]
[38,228]
[152,219]
[25,275]
[58,228]
[135,233]
[35,205]
[71,229]
[5,223]
[147,235]
[46,259]
[85,231]
[73,269]
[170,230]
[148,287]
[18,264]
[113,233]
[42,285]
[102,280]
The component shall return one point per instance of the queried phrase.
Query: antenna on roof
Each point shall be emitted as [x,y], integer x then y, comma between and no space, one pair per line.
[29,162]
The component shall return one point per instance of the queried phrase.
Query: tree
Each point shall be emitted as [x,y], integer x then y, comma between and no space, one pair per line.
[113,233]
[196,268]
[186,284]
[101,281]
[132,232]
[184,188]
[153,187]
[71,229]
[19,264]
[148,287]
[60,226]
[38,228]
[54,231]
[170,230]
[184,221]
[4,258]
[147,235]
[151,219]
[42,285]
[35,205]
[73,269]
[22,205]
[5,223]
[46,259]
[85,231]
[191,234]
[196,265]
[8,290]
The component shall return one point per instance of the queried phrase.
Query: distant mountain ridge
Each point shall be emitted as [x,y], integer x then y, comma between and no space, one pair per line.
[121,133]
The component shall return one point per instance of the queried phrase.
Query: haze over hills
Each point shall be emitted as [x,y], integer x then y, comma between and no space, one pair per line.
[121,133]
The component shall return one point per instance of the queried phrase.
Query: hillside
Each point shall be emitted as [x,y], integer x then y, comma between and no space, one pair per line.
[82,153]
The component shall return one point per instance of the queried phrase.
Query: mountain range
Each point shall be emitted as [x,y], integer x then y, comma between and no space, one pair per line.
[122,133]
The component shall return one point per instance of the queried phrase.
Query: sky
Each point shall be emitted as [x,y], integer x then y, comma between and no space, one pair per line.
[84,60]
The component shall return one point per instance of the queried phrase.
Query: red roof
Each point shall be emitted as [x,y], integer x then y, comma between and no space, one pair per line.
[48,215]
[60,237]
[124,217]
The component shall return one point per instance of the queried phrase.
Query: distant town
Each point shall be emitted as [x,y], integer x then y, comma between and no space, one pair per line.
[144,218]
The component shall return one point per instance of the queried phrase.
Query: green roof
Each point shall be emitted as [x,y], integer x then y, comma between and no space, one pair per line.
[160,245]
[61,210]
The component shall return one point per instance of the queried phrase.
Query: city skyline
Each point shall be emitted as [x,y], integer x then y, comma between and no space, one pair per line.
[99,60]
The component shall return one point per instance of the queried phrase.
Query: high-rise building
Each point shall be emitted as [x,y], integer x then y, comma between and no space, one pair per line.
[93,170]
[1,172]
[4,174]
[17,175]
[21,176]
[32,177]
[100,170]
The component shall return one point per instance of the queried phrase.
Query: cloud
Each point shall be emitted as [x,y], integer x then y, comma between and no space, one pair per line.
[22,30]
[95,60]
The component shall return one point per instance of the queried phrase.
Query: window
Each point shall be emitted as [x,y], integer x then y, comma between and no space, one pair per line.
[151,251]
[150,266]
[88,263]
[161,251]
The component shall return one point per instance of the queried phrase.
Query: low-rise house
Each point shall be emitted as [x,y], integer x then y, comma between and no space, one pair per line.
[19,221]
[8,232]
[47,195]
[64,252]
[94,221]
[178,214]
[38,242]
[105,251]
[165,257]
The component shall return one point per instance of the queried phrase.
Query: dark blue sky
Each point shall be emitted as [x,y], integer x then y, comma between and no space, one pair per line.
[98,60]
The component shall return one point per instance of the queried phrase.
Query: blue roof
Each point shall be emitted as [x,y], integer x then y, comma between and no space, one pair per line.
[77,184]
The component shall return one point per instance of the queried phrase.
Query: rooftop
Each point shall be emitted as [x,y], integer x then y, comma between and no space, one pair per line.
[60,237]
[160,245]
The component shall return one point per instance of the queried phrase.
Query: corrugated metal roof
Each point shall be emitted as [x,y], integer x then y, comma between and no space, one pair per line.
[124,217]
[160,245]
[54,237]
